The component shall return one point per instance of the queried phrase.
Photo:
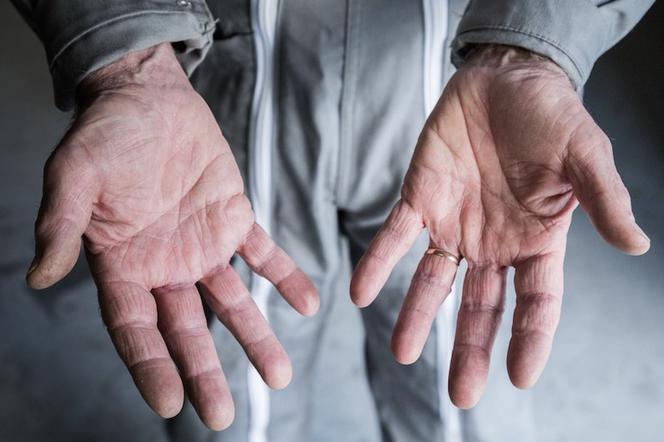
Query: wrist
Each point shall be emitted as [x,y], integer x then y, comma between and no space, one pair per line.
[154,67]
[501,56]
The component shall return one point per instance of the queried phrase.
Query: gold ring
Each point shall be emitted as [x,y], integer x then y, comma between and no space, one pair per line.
[443,254]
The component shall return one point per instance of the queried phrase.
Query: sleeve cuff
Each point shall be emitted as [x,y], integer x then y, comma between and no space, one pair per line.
[185,22]
[569,32]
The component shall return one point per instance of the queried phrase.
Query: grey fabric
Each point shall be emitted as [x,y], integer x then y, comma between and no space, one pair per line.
[330,392]
[226,77]
[573,33]
[81,36]
[349,110]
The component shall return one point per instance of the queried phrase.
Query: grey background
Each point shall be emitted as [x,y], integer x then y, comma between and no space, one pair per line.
[60,379]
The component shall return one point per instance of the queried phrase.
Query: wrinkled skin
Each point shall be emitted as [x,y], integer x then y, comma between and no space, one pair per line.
[502,162]
[146,177]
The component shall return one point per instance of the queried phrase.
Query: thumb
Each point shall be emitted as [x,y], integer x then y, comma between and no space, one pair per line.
[64,215]
[601,192]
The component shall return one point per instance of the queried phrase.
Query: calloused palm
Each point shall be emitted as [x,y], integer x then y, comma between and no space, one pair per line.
[147,178]
[501,164]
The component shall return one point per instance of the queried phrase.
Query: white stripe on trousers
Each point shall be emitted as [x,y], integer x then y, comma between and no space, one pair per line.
[261,140]
[435,36]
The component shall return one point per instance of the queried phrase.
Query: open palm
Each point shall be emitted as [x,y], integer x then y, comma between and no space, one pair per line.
[147,177]
[500,165]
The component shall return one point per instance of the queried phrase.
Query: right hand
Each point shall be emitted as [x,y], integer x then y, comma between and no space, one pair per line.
[147,179]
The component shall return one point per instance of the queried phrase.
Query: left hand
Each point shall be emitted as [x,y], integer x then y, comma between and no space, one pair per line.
[502,162]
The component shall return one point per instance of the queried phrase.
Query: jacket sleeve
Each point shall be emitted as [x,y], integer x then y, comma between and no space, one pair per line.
[81,36]
[573,33]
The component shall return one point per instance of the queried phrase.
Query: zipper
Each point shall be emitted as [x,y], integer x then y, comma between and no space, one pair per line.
[261,141]
[435,13]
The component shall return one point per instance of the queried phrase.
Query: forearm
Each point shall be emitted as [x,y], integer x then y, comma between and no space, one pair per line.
[154,67]
[499,56]
[572,33]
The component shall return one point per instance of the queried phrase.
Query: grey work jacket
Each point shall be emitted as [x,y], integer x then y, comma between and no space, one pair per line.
[81,36]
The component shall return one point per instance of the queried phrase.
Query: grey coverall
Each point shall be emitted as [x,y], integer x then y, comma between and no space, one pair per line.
[322,102]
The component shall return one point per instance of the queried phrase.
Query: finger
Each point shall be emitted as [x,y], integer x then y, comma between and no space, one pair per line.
[130,314]
[64,215]
[229,299]
[601,192]
[391,243]
[430,286]
[271,262]
[539,289]
[183,325]
[479,316]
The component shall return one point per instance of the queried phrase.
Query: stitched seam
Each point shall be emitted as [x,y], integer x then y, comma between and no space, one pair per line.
[341,138]
[347,106]
[553,43]
[108,22]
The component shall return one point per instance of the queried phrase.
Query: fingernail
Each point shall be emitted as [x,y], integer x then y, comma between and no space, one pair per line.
[643,234]
[33,266]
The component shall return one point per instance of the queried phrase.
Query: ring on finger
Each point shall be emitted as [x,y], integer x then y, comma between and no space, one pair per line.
[443,254]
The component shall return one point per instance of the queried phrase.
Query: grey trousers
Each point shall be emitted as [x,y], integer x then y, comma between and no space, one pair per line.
[350,96]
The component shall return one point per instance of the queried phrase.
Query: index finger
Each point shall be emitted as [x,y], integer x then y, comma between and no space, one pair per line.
[392,242]
[268,260]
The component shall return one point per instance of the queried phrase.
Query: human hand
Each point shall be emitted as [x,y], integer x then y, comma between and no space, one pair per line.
[146,177]
[502,162]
